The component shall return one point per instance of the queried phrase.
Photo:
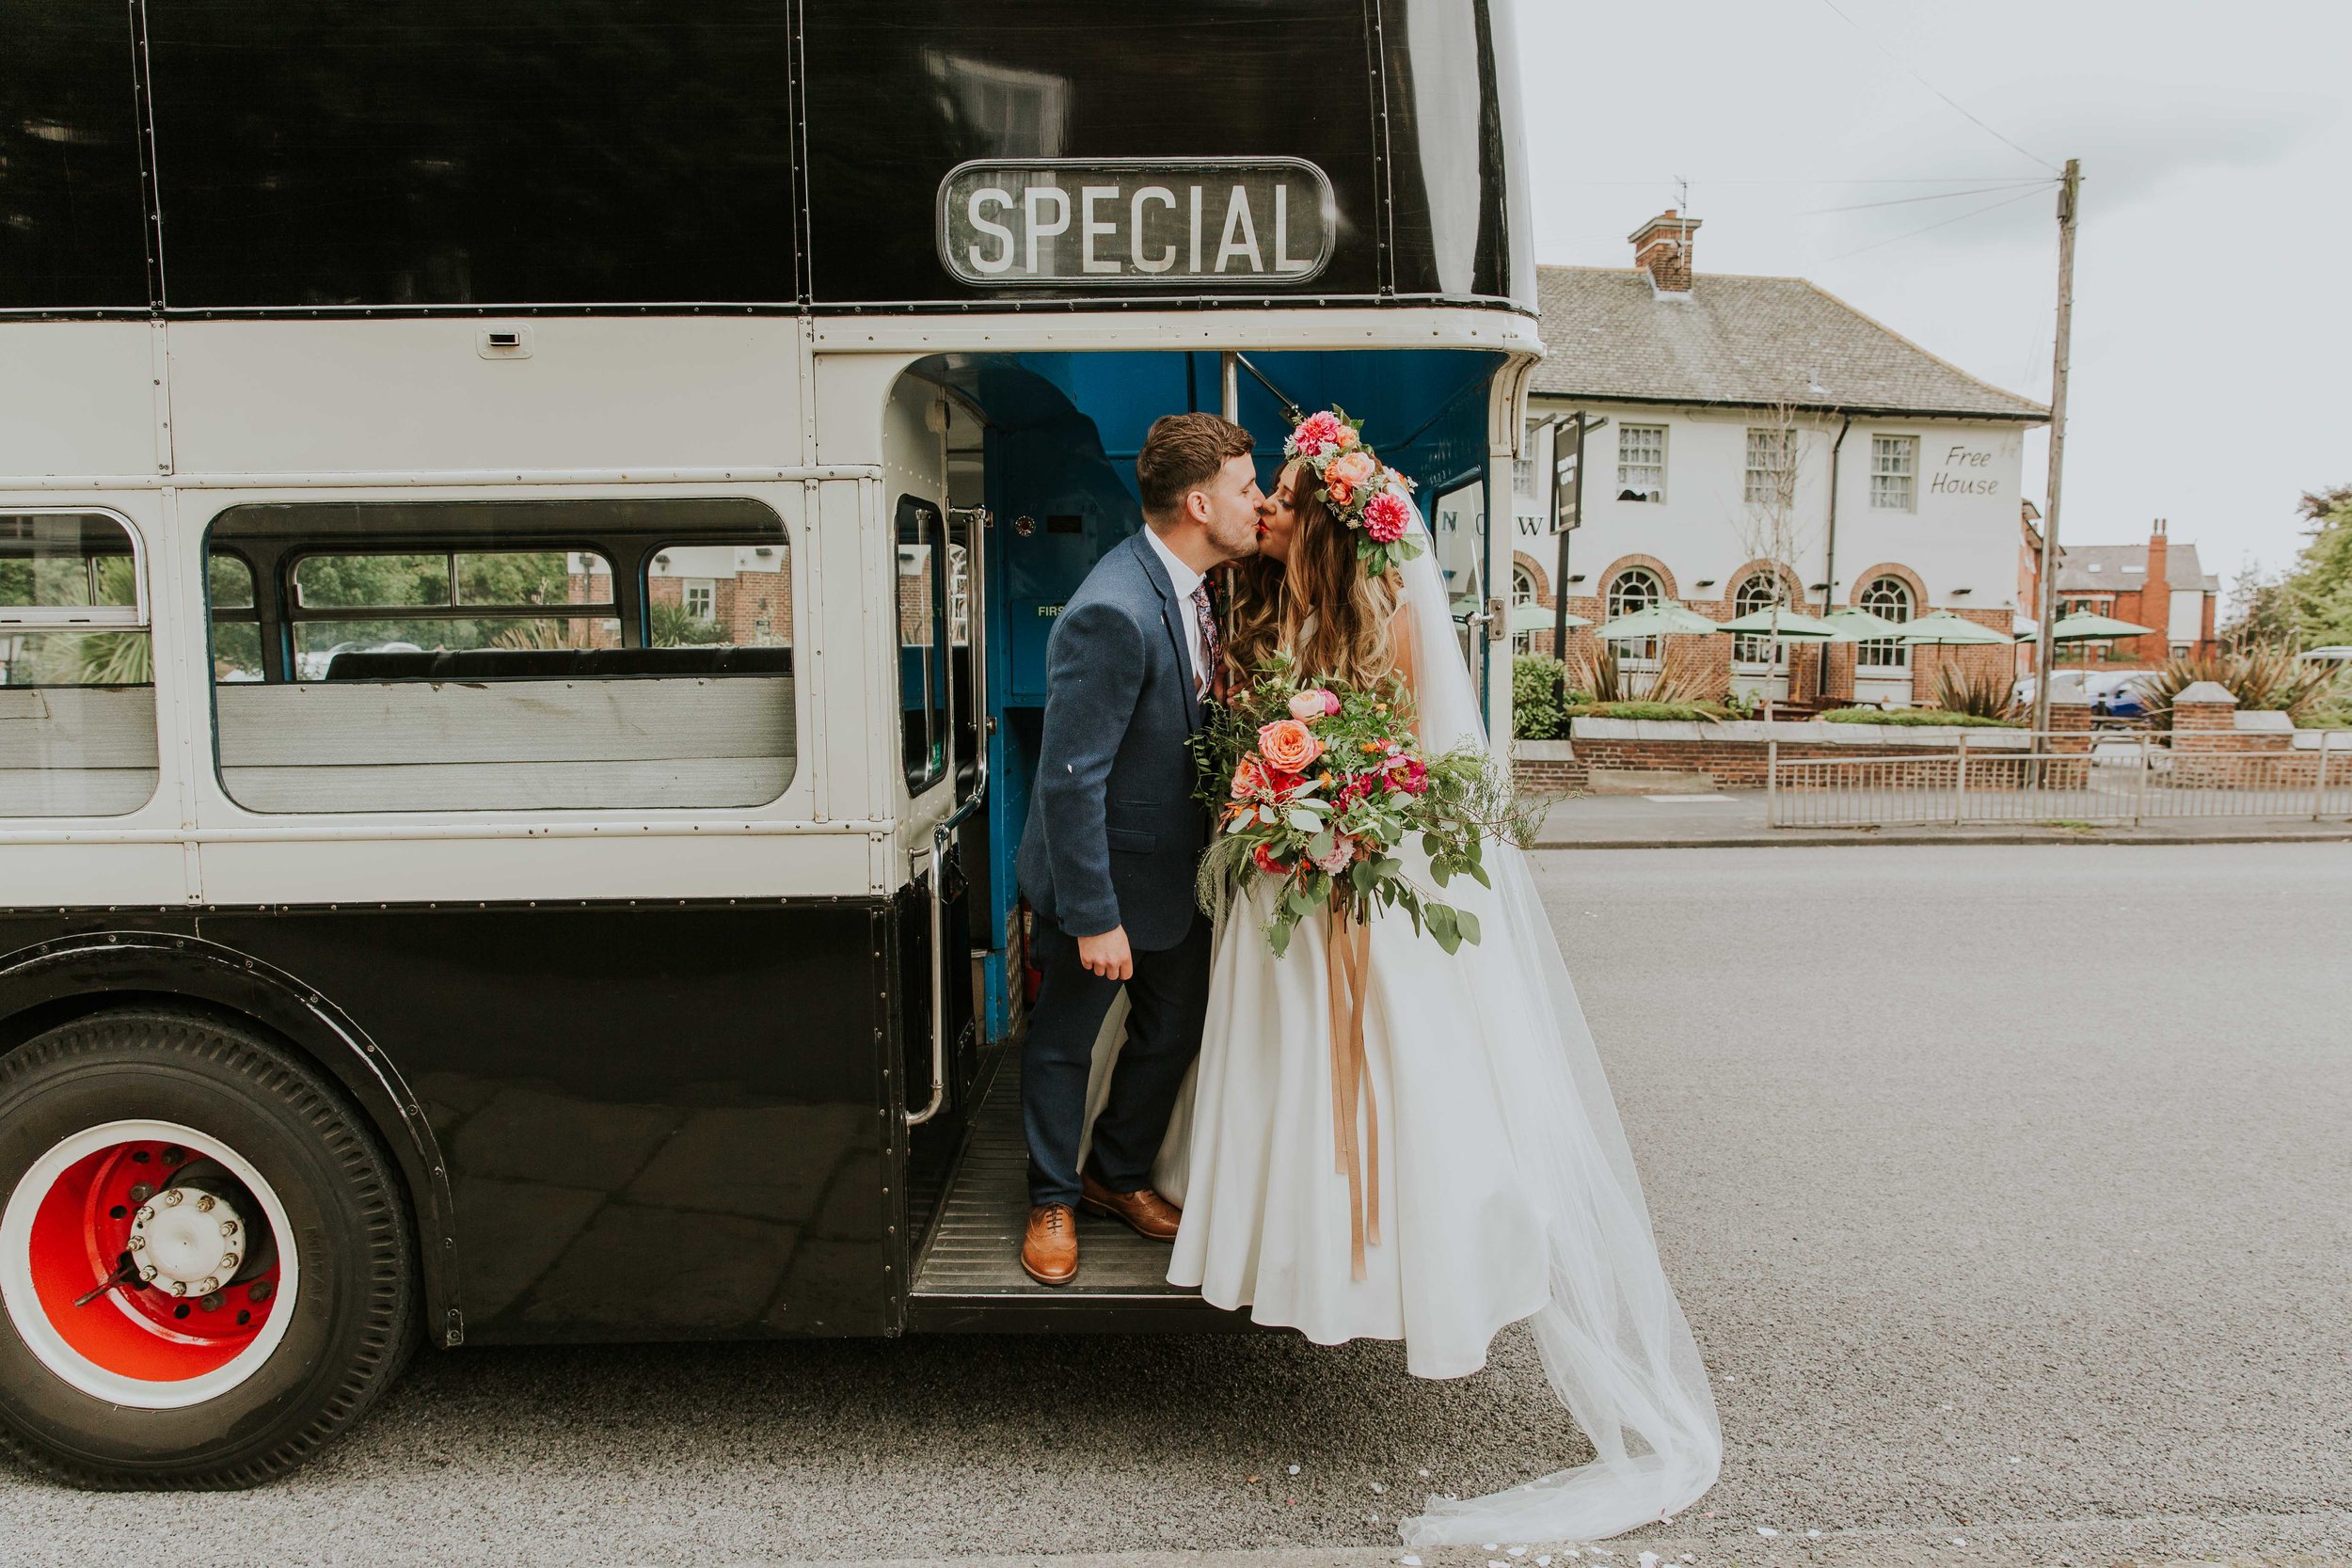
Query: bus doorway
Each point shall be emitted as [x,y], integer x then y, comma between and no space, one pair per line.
[1041,447]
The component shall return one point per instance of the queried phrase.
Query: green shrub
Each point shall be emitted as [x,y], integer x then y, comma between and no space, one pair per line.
[1917,717]
[1705,713]
[1535,708]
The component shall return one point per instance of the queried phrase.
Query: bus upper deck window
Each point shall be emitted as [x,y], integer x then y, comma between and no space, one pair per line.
[77,682]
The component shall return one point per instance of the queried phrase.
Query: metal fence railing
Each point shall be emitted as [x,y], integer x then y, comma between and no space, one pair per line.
[2061,776]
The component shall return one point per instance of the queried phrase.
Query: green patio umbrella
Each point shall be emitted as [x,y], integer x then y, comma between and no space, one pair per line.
[1528,617]
[2083,627]
[1945,629]
[1794,626]
[1860,623]
[1659,619]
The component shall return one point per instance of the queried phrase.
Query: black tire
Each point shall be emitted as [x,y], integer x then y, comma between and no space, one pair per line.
[351,1323]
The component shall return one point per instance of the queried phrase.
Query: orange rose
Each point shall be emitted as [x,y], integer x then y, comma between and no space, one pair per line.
[1248,779]
[1353,471]
[1289,745]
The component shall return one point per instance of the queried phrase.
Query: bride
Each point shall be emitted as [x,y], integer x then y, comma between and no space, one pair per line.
[1496,1183]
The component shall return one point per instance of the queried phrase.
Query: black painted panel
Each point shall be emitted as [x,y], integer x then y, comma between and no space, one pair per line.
[659,1121]
[901,91]
[69,209]
[473,151]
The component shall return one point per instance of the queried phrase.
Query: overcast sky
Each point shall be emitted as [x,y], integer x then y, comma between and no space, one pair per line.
[2212,297]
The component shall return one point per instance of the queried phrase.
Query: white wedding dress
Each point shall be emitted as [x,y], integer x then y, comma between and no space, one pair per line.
[1505,1188]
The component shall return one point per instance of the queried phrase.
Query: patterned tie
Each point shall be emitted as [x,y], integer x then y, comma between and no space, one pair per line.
[1211,649]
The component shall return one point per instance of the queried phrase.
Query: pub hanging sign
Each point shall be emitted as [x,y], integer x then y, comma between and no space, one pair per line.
[1135,223]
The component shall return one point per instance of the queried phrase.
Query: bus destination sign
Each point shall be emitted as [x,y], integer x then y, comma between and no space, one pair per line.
[1136,222]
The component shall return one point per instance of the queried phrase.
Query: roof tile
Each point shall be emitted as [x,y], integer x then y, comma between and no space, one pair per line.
[1742,341]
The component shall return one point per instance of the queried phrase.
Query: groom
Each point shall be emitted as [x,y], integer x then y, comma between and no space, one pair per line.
[1115,835]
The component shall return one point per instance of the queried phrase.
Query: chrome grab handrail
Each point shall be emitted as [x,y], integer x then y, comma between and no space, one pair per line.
[975,636]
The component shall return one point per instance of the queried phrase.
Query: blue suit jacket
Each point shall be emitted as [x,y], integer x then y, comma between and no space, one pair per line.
[1115,833]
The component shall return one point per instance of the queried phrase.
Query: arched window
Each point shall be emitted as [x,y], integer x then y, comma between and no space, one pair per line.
[1631,591]
[1889,598]
[1522,592]
[1755,593]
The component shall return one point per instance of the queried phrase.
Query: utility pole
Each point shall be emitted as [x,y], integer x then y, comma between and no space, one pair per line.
[2045,645]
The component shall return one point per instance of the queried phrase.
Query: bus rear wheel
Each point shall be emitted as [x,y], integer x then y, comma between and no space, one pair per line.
[207,1268]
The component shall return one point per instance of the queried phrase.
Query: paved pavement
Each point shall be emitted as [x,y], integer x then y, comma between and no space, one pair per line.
[1734,819]
[2006,1190]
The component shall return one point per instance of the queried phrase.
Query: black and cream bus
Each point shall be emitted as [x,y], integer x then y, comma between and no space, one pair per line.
[527,541]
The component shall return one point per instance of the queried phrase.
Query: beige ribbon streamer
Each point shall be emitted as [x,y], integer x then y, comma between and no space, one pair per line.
[1354,1107]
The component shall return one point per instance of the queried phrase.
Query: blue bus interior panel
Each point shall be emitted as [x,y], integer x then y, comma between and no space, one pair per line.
[1062,434]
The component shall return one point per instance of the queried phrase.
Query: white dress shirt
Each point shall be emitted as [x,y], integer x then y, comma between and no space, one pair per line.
[1183,579]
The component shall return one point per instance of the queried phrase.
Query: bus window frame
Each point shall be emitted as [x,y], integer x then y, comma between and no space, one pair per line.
[135,616]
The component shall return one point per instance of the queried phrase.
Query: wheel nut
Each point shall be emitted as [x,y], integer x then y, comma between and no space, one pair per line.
[259,1292]
[141,1192]
[173,1155]
[147,1212]
[149,1273]
[173,1197]
[228,1261]
[138,1243]
[211,1303]
[204,1203]
[206,1286]
[179,1288]
[228,1228]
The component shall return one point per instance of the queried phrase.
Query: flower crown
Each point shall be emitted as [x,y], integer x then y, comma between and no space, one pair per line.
[1361,492]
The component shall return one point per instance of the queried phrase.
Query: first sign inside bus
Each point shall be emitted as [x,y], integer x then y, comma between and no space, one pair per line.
[1136,222]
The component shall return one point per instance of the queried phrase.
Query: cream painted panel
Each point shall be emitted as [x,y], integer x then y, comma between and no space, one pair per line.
[51,876]
[725,864]
[77,398]
[365,396]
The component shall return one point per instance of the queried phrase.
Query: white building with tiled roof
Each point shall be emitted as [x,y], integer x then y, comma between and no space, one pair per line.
[1711,406]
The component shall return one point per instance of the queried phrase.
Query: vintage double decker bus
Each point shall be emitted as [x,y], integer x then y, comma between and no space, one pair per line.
[527,541]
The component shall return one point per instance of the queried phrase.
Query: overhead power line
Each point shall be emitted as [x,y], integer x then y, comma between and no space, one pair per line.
[1939,92]
[2035,182]
[2035,188]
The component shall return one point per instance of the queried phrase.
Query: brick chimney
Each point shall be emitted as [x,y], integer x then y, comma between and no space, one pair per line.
[2155,594]
[1662,247]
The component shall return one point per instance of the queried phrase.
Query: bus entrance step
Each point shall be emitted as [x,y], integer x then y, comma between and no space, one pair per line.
[969,1278]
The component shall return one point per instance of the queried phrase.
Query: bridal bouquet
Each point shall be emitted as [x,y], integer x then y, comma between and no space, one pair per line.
[1319,786]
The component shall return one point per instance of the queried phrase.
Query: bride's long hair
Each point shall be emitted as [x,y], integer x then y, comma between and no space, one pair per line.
[1321,604]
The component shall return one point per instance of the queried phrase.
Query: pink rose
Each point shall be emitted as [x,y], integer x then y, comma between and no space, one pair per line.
[1386,518]
[1409,775]
[1248,779]
[1313,704]
[1342,854]
[1316,435]
[1289,745]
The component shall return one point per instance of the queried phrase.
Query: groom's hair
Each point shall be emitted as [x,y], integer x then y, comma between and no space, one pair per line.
[1182,452]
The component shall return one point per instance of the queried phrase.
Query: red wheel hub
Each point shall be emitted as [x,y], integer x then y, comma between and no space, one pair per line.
[82,1236]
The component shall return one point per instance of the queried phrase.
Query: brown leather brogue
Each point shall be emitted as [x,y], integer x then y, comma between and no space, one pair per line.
[1050,1250]
[1146,1211]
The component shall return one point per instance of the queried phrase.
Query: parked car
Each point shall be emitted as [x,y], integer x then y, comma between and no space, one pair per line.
[2115,695]
[2063,683]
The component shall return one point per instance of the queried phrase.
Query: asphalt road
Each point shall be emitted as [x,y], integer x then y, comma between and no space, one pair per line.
[2008,1191]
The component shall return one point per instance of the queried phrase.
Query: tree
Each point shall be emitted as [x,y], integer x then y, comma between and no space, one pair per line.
[1770,527]
[2261,612]
[2318,587]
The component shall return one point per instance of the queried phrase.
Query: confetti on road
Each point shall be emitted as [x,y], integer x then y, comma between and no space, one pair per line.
[1377,1487]
[1960,1540]
[1409,1561]
[1766,1531]
[1294,1469]
[1813,1534]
